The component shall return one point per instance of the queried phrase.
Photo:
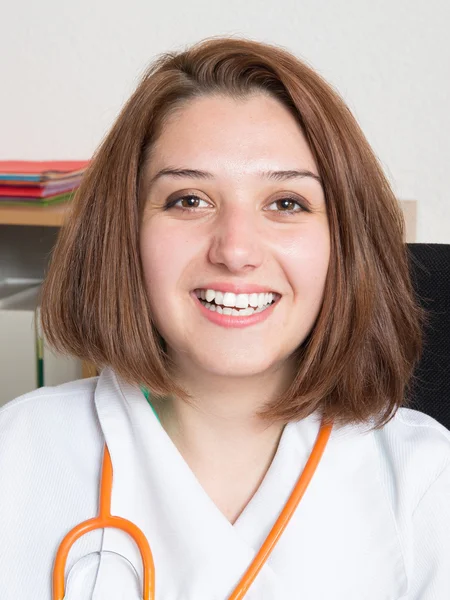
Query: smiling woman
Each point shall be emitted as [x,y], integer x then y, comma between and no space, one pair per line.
[234,162]
[236,253]
[244,225]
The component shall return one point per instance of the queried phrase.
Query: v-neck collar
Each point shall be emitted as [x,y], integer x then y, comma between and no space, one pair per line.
[154,487]
[296,442]
[277,480]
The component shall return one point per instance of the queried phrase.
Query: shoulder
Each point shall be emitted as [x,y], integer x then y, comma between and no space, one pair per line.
[419,489]
[407,455]
[413,450]
[81,388]
[48,435]
[48,407]
[51,446]
[417,433]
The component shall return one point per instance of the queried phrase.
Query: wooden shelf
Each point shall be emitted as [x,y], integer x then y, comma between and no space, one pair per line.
[48,216]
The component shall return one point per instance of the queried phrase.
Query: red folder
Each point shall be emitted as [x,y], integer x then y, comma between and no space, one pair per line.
[45,170]
[13,191]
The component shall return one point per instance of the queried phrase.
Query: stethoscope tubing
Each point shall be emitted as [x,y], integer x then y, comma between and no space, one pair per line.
[105,519]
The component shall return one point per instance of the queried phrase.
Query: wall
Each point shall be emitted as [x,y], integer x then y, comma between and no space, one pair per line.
[67,68]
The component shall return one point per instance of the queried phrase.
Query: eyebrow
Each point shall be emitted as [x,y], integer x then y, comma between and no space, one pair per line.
[197,174]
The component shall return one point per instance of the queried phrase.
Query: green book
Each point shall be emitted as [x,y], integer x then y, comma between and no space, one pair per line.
[39,349]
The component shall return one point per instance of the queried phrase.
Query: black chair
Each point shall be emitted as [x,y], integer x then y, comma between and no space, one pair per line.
[430,271]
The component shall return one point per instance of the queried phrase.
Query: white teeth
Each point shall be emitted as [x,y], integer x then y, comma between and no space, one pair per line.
[253,300]
[227,310]
[219,297]
[231,300]
[242,301]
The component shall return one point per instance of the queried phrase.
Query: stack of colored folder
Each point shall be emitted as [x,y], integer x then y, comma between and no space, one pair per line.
[39,183]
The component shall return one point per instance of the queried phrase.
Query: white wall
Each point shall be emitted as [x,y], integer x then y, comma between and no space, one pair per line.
[66,69]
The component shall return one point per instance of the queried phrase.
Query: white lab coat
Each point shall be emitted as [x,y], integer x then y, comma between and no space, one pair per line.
[374,523]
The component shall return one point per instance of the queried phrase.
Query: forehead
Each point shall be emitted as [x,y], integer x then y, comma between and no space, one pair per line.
[219,132]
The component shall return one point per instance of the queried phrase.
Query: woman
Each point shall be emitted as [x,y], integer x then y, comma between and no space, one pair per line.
[235,179]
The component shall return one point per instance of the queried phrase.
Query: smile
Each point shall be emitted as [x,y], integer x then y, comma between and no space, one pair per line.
[228,303]
[235,310]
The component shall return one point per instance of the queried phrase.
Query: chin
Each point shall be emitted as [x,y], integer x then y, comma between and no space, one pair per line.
[236,366]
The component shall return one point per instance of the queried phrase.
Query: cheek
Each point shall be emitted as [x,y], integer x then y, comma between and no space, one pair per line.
[165,254]
[306,258]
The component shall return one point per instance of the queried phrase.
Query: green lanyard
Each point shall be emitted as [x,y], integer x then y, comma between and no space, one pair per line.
[146,393]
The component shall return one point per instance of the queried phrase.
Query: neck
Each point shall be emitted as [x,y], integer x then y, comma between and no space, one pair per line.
[218,432]
[219,425]
[207,432]
[229,452]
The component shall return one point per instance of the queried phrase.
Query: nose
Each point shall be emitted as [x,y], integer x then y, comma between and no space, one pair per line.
[237,240]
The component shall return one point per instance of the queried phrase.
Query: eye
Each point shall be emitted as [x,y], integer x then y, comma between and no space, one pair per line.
[192,202]
[288,205]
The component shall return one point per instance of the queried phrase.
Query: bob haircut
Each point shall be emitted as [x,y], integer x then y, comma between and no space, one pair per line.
[358,360]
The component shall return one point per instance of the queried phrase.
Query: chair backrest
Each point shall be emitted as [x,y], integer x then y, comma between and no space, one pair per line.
[430,270]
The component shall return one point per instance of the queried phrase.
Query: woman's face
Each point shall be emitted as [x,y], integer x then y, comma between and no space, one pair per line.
[231,225]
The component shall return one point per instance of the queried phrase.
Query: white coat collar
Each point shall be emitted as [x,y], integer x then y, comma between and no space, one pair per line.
[195,548]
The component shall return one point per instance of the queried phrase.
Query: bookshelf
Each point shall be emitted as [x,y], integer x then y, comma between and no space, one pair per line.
[47,216]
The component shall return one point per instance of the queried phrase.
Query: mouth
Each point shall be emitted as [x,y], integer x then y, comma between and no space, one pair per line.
[236,305]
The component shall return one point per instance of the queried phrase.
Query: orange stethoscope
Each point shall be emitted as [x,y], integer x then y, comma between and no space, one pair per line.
[105,519]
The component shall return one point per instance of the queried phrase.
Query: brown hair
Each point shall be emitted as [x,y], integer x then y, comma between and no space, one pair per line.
[357,362]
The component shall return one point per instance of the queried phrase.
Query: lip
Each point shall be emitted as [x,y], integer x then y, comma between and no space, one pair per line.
[236,288]
[228,321]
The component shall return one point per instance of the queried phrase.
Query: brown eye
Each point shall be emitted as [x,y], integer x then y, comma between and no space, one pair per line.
[190,202]
[288,205]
